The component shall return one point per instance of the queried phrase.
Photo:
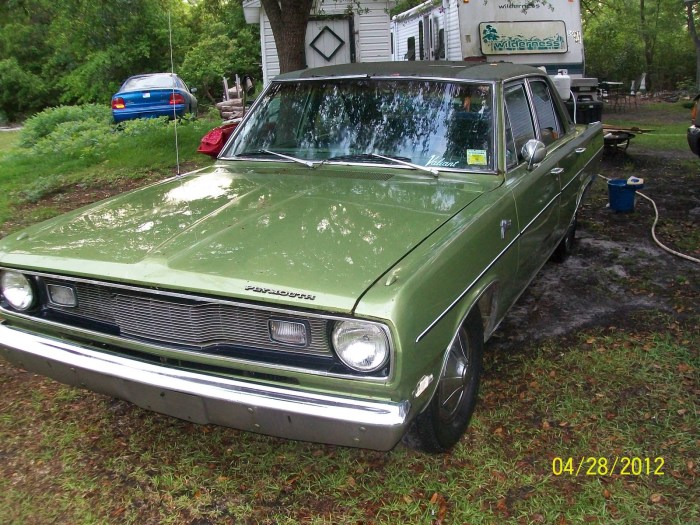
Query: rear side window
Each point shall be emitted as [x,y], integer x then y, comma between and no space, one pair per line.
[547,119]
[519,124]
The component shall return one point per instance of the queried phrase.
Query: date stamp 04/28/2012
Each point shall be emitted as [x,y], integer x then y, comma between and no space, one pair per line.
[603,466]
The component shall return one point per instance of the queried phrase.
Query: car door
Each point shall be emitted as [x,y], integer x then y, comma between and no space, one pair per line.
[570,150]
[535,188]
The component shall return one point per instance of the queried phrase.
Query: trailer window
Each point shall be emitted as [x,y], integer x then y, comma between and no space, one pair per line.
[411,51]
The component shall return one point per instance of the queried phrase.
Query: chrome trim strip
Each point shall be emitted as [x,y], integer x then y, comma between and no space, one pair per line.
[302,79]
[540,213]
[206,399]
[453,80]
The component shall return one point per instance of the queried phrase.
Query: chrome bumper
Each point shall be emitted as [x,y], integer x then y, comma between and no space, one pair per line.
[201,398]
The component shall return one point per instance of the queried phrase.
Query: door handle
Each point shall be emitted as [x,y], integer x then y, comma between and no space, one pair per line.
[580,150]
[557,171]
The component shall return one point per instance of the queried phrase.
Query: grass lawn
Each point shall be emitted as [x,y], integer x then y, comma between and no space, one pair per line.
[8,140]
[29,175]
[598,425]
[668,123]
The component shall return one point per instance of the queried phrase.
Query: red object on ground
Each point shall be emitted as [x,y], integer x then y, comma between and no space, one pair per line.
[212,143]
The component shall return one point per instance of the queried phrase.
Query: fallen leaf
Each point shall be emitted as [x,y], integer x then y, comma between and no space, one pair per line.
[606,494]
[656,497]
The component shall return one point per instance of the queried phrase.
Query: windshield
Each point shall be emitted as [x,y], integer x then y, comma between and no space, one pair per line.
[150,81]
[434,124]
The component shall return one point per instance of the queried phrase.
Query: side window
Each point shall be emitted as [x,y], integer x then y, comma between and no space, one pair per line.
[519,125]
[421,53]
[411,51]
[441,44]
[550,126]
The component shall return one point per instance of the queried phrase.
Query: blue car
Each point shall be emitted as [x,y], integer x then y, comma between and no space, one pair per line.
[153,95]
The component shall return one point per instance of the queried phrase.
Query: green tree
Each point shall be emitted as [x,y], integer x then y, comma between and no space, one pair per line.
[693,19]
[225,46]
[625,38]
[76,51]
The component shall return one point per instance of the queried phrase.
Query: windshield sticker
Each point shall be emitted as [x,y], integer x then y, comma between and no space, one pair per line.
[477,157]
[434,160]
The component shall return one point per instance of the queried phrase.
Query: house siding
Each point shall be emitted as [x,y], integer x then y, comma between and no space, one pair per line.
[371,38]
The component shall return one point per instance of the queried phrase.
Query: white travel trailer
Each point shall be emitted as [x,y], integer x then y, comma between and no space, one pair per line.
[516,31]
[519,31]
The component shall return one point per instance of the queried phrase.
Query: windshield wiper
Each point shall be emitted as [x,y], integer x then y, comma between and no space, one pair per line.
[252,153]
[369,156]
[399,160]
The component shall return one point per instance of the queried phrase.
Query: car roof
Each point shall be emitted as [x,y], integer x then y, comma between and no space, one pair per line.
[142,75]
[481,71]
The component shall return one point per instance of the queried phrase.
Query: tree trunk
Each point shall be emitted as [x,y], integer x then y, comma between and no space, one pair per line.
[288,19]
[649,39]
[696,40]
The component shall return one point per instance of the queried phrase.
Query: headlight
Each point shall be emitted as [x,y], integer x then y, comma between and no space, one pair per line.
[361,346]
[17,289]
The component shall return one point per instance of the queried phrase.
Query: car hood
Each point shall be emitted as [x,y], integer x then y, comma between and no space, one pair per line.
[288,235]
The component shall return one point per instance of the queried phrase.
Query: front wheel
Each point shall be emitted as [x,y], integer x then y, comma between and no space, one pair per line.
[443,422]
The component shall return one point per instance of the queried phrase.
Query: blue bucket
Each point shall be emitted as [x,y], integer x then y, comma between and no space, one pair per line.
[621,195]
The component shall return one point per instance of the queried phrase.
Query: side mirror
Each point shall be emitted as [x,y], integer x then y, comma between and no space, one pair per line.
[193,90]
[533,152]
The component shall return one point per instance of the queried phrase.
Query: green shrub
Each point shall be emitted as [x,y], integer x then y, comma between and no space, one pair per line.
[45,123]
[78,138]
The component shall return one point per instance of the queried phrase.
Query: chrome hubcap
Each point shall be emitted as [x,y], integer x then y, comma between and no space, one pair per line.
[455,378]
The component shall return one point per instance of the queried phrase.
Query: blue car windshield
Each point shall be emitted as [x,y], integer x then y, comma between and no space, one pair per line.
[435,124]
[159,81]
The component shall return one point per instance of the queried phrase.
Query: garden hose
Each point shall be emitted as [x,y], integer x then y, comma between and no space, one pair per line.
[653,229]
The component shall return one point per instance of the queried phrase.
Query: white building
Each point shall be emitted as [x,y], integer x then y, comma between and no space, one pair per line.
[332,36]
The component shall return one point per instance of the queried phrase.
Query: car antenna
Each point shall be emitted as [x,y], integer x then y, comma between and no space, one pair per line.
[172,70]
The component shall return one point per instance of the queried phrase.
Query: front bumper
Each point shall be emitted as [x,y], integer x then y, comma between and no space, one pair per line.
[202,398]
[130,113]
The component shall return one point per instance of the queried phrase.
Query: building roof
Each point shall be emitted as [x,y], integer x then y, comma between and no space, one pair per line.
[492,71]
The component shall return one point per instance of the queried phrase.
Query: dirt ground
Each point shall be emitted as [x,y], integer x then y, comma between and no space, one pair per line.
[617,272]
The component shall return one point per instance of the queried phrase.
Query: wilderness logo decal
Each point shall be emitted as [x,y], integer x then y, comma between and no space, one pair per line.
[513,38]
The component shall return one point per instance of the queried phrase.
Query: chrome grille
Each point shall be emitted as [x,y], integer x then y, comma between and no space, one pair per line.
[192,323]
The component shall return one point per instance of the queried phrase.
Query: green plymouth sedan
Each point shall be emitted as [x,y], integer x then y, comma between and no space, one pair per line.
[334,275]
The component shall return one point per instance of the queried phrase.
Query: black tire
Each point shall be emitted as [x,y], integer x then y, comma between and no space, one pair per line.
[440,426]
[566,246]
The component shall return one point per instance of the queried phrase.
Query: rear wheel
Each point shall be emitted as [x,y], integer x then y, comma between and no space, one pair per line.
[443,422]
[566,246]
